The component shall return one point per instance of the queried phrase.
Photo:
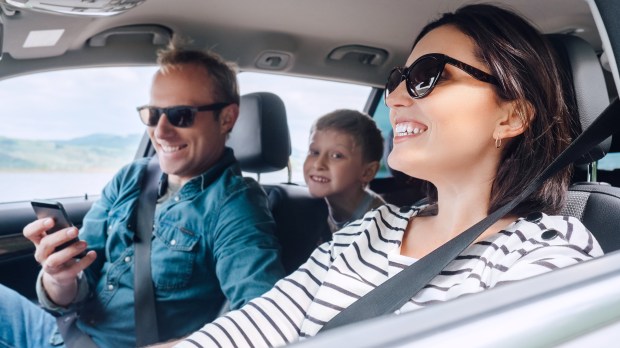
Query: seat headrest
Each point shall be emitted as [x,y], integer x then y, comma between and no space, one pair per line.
[260,138]
[581,64]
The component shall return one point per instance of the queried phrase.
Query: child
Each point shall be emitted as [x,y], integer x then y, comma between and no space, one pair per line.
[343,157]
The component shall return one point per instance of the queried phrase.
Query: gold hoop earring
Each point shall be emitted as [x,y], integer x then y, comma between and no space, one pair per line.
[498,142]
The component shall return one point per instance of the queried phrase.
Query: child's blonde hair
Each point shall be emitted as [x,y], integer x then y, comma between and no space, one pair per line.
[357,124]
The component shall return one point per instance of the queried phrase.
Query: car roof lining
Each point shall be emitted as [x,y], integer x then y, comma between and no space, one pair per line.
[309,31]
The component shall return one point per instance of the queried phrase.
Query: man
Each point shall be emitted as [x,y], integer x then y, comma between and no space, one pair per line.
[212,236]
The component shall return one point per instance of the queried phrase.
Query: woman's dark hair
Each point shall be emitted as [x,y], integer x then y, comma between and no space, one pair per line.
[520,57]
[358,125]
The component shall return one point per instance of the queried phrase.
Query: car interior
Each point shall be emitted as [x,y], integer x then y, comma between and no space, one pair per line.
[349,42]
[261,142]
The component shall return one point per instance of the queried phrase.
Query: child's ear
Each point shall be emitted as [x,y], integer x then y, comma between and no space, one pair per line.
[369,171]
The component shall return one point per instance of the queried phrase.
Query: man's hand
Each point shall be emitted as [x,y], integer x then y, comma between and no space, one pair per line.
[60,268]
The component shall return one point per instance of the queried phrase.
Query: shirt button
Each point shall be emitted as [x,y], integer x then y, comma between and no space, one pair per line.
[176,198]
[127,258]
[173,242]
[549,234]
[110,287]
[534,217]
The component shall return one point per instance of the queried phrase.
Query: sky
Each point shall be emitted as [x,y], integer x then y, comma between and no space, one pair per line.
[73,103]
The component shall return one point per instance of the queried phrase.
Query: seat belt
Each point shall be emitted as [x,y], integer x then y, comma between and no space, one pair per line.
[396,291]
[144,297]
[72,336]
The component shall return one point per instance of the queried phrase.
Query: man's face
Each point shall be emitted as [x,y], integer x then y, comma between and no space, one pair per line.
[188,152]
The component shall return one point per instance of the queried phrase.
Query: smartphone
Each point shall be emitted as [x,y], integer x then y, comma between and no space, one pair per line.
[55,210]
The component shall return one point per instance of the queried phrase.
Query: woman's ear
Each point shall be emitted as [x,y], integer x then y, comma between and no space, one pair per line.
[514,119]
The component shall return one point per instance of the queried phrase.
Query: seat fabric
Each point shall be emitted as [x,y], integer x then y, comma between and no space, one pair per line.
[596,205]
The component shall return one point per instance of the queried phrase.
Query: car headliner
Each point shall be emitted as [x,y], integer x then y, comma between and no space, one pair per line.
[241,30]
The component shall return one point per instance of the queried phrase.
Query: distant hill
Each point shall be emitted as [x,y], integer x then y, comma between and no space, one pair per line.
[92,152]
[10,162]
[111,141]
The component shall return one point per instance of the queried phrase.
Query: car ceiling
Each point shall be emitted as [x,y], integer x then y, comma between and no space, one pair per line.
[241,30]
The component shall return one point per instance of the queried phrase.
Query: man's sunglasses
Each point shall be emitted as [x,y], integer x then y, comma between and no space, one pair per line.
[178,116]
[422,75]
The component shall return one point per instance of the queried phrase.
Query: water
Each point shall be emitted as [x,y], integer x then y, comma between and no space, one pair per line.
[26,186]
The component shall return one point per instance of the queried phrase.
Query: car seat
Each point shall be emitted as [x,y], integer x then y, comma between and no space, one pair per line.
[261,142]
[596,204]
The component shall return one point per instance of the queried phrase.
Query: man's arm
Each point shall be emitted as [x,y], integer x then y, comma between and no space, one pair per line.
[58,284]
[246,251]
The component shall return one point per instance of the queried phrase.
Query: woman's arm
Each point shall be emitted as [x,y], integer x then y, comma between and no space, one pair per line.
[273,319]
[562,242]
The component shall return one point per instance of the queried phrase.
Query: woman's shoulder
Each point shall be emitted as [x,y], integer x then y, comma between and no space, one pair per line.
[386,223]
[388,212]
[538,229]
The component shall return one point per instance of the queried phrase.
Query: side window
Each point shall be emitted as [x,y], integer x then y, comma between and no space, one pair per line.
[381,115]
[305,101]
[610,162]
[609,168]
[65,133]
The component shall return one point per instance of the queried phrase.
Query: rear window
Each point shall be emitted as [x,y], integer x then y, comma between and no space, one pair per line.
[305,101]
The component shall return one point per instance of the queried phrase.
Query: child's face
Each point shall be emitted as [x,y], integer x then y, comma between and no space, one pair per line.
[334,164]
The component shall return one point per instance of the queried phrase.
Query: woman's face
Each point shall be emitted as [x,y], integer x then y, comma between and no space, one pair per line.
[448,134]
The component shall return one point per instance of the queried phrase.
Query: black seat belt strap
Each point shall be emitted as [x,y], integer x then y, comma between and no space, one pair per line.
[396,291]
[144,297]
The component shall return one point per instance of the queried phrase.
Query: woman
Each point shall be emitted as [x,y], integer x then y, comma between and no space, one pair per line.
[477,111]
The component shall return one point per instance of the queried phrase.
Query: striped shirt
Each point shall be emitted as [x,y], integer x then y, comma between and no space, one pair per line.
[361,256]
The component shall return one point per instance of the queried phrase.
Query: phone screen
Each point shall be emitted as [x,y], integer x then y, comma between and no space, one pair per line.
[54,210]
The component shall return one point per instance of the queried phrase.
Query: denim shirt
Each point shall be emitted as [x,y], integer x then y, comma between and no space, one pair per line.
[214,239]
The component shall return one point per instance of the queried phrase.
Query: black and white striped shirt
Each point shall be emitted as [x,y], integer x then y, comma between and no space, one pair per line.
[366,253]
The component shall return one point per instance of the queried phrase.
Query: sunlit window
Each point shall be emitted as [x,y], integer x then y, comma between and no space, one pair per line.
[66,133]
[305,101]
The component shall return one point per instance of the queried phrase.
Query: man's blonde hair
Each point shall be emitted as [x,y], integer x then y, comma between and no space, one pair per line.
[223,74]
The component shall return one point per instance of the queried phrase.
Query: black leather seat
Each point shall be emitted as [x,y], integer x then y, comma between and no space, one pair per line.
[596,204]
[261,142]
